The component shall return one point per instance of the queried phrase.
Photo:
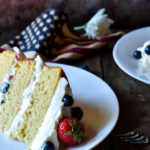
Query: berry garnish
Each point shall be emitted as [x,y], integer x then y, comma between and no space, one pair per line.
[68,100]
[137,54]
[147,49]
[47,146]
[4,87]
[70,131]
[18,57]
[85,67]
[10,77]
[77,113]
[2,102]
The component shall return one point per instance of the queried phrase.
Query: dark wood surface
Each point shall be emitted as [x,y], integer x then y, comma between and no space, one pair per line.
[133,95]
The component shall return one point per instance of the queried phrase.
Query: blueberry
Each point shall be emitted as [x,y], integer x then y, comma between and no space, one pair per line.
[137,54]
[85,67]
[147,49]
[47,146]
[2,102]
[77,113]
[4,87]
[68,100]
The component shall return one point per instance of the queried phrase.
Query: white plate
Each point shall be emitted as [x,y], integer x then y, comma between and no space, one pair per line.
[99,104]
[124,48]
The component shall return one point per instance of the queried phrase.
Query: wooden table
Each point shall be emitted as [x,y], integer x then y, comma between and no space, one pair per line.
[133,95]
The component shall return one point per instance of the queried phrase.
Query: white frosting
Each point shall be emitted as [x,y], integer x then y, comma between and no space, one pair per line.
[144,62]
[26,96]
[48,129]
[98,26]
[19,53]
[6,79]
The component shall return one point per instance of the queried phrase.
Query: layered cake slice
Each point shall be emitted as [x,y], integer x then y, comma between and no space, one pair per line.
[33,102]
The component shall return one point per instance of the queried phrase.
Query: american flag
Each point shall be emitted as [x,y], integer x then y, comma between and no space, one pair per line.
[52,35]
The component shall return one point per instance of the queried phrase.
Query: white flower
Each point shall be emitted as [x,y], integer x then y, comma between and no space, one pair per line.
[98,26]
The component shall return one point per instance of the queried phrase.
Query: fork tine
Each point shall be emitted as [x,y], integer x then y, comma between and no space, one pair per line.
[136,135]
[144,141]
[132,132]
[140,138]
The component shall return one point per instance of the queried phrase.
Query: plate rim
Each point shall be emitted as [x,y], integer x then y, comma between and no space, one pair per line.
[120,64]
[106,84]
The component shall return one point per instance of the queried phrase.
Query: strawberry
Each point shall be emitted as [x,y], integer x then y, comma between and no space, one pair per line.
[70,131]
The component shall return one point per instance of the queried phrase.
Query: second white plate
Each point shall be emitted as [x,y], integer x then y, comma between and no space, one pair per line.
[124,48]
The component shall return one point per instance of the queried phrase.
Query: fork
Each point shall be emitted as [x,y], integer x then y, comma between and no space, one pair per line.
[134,137]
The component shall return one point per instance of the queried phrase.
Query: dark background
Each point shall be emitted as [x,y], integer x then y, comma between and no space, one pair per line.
[126,13]
[133,95]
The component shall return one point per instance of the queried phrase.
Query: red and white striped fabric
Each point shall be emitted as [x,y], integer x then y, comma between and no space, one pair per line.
[70,45]
[52,35]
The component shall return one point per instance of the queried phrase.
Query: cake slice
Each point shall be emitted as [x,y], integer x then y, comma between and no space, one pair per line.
[33,102]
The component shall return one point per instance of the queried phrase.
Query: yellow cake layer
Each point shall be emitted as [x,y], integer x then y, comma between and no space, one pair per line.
[14,95]
[6,61]
[40,100]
